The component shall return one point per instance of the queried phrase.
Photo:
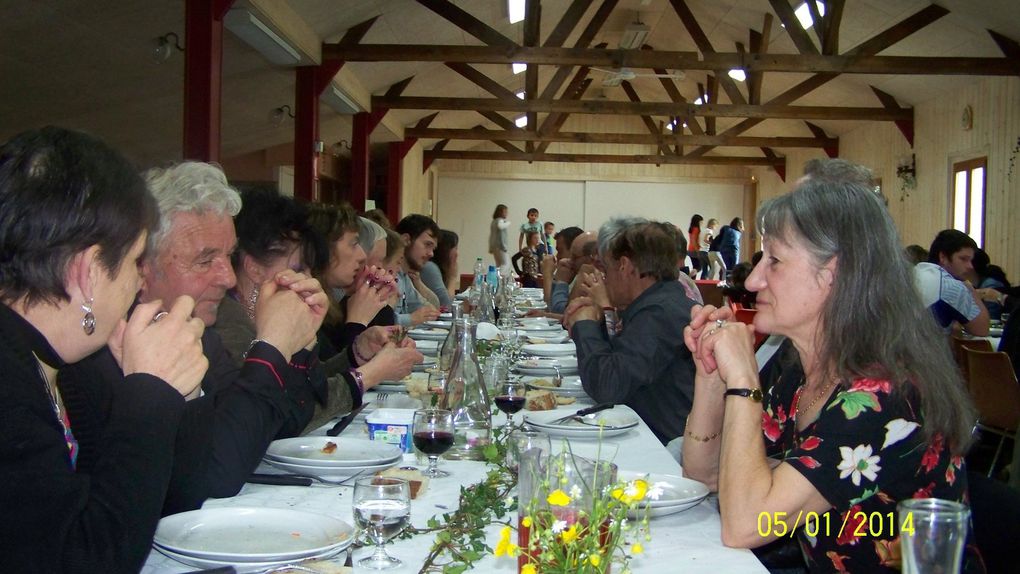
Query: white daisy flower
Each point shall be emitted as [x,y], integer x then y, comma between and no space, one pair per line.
[559,526]
[857,462]
[656,490]
[575,491]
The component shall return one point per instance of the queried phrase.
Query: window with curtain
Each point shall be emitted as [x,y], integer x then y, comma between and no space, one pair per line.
[969,198]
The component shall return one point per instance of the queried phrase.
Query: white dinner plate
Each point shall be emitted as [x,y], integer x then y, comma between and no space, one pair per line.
[333,472]
[531,304]
[607,423]
[677,493]
[391,387]
[550,349]
[444,325]
[428,348]
[571,386]
[242,567]
[307,451]
[428,334]
[428,363]
[537,324]
[567,365]
[544,337]
[252,534]
[446,316]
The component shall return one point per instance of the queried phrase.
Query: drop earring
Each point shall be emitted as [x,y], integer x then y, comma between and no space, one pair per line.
[88,321]
[253,297]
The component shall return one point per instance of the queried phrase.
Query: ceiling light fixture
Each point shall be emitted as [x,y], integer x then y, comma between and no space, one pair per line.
[521,121]
[258,35]
[518,67]
[515,9]
[279,115]
[634,35]
[520,94]
[737,74]
[165,45]
[803,13]
[698,101]
[340,101]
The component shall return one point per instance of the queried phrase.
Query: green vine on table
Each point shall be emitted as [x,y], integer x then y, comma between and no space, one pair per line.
[460,534]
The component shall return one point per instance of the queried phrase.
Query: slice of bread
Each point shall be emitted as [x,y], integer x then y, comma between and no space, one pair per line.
[536,400]
[415,479]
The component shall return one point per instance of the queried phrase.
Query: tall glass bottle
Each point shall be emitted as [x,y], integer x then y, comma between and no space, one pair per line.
[449,347]
[467,398]
[484,313]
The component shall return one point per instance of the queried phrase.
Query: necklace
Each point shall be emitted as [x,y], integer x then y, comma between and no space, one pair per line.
[818,397]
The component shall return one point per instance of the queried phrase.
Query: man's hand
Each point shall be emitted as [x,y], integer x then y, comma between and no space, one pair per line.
[594,287]
[564,271]
[286,320]
[424,313]
[168,346]
[581,309]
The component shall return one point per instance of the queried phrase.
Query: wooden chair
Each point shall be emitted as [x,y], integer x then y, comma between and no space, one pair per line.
[711,293]
[996,394]
[746,316]
[958,344]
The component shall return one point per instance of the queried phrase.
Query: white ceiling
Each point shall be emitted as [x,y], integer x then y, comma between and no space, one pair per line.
[86,64]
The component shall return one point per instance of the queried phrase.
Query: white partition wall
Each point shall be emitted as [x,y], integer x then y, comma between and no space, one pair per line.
[465,205]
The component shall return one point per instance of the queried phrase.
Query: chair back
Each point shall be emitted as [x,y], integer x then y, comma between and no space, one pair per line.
[958,344]
[995,514]
[994,387]
[745,316]
[711,293]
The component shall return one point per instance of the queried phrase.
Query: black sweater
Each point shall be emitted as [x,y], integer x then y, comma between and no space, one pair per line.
[99,517]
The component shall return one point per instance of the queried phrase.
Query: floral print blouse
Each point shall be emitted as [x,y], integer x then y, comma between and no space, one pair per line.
[864,453]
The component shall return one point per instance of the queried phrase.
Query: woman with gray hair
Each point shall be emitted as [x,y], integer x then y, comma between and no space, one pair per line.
[879,414]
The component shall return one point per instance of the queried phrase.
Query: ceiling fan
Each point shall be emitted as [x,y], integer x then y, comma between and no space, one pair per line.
[633,38]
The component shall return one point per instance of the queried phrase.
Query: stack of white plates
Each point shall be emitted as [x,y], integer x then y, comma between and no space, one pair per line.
[566,365]
[606,423]
[439,324]
[550,349]
[428,333]
[313,455]
[423,366]
[532,324]
[570,387]
[429,348]
[250,539]
[669,493]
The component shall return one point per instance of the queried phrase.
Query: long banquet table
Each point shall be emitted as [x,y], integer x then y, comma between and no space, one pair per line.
[685,542]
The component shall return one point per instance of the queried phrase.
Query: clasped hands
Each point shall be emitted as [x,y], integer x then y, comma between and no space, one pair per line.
[289,311]
[373,288]
[722,347]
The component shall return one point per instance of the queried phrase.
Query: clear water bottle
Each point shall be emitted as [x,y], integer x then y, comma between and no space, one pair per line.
[479,272]
[485,311]
[467,398]
[449,348]
[493,277]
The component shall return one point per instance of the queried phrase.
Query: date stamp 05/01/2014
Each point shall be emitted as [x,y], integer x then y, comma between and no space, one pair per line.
[856,524]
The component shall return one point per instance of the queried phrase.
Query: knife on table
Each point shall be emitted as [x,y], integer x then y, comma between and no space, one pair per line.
[278,479]
[583,412]
[345,421]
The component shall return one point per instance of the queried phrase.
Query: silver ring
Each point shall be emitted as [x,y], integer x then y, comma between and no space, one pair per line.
[719,323]
[159,316]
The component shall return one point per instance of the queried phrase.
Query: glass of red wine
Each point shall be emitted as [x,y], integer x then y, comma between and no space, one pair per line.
[510,397]
[433,435]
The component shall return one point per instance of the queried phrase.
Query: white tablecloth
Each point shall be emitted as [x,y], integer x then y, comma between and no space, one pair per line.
[686,542]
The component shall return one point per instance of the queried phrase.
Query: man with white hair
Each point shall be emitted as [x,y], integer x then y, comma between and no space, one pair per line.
[226,431]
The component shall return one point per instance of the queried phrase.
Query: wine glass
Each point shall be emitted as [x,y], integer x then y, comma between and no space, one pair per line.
[437,387]
[382,508]
[433,435]
[510,397]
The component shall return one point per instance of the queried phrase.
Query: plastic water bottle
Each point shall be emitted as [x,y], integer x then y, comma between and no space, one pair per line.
[493,277]
[479,272]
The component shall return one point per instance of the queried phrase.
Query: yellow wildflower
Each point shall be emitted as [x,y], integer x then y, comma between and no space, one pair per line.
[526,522]
[504,545]
[640,489]
[569,535]
[528,569]
[558,498]
[594,560]
[636,548]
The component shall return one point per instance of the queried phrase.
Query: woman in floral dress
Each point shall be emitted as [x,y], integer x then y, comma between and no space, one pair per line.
[874,414]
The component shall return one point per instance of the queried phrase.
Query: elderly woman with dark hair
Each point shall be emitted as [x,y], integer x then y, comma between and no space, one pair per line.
[879,414]
[84,461]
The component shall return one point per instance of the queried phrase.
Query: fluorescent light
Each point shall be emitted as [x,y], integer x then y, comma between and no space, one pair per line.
[341,103]
[669,126]
[803,14]
[520,94]
[737,74]
[521,121]
[256,34]
[698,101]
[518,67]
[634,36]
[516,10]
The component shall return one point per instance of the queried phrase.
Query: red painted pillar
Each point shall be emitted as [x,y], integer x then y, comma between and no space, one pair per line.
[306,133]
[203,61]
[359,159]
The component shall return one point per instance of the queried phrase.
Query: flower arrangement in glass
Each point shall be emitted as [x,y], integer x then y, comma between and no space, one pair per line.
[572,516]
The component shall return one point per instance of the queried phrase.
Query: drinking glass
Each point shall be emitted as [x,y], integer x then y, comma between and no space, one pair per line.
[497,368]
[382,508]
[437,388]
[522,441]
[433,435]
[509,397]
[932,534]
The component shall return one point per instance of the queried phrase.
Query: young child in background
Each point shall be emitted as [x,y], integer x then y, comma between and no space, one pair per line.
[550,237]
[530,258]
[531,224]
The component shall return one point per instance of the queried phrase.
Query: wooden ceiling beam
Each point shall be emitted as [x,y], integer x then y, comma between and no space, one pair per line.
[567,23]
[587,35]
[499,119]
[601,158]
[799,35]
[481,80]
[705,45]
[669,84]
[690,61]
[465,21]
[576,89]
[642,108]
[759,45]
[906,126]
[667,138]
[833,20]
[831,150]
[532,23]
[426,121]
[650,124]
[876,44]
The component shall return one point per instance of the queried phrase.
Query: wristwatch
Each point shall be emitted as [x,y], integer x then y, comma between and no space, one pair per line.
[753,394]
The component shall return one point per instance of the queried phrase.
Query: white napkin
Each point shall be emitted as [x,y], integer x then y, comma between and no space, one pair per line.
[487,331]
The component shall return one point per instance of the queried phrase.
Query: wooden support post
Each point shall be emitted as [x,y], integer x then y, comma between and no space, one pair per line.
[203,61]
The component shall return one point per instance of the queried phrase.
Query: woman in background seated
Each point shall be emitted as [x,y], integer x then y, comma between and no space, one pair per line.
[875,415]
[84,462]
[439,274]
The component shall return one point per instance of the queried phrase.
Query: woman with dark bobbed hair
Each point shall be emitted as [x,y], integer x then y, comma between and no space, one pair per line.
[84,461]
[869,410]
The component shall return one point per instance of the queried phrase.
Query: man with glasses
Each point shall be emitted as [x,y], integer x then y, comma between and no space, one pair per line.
[646,366]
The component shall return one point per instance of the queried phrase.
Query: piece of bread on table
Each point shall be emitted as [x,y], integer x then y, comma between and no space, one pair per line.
[543,383]
[417,481]
[562,400]
[536,400]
